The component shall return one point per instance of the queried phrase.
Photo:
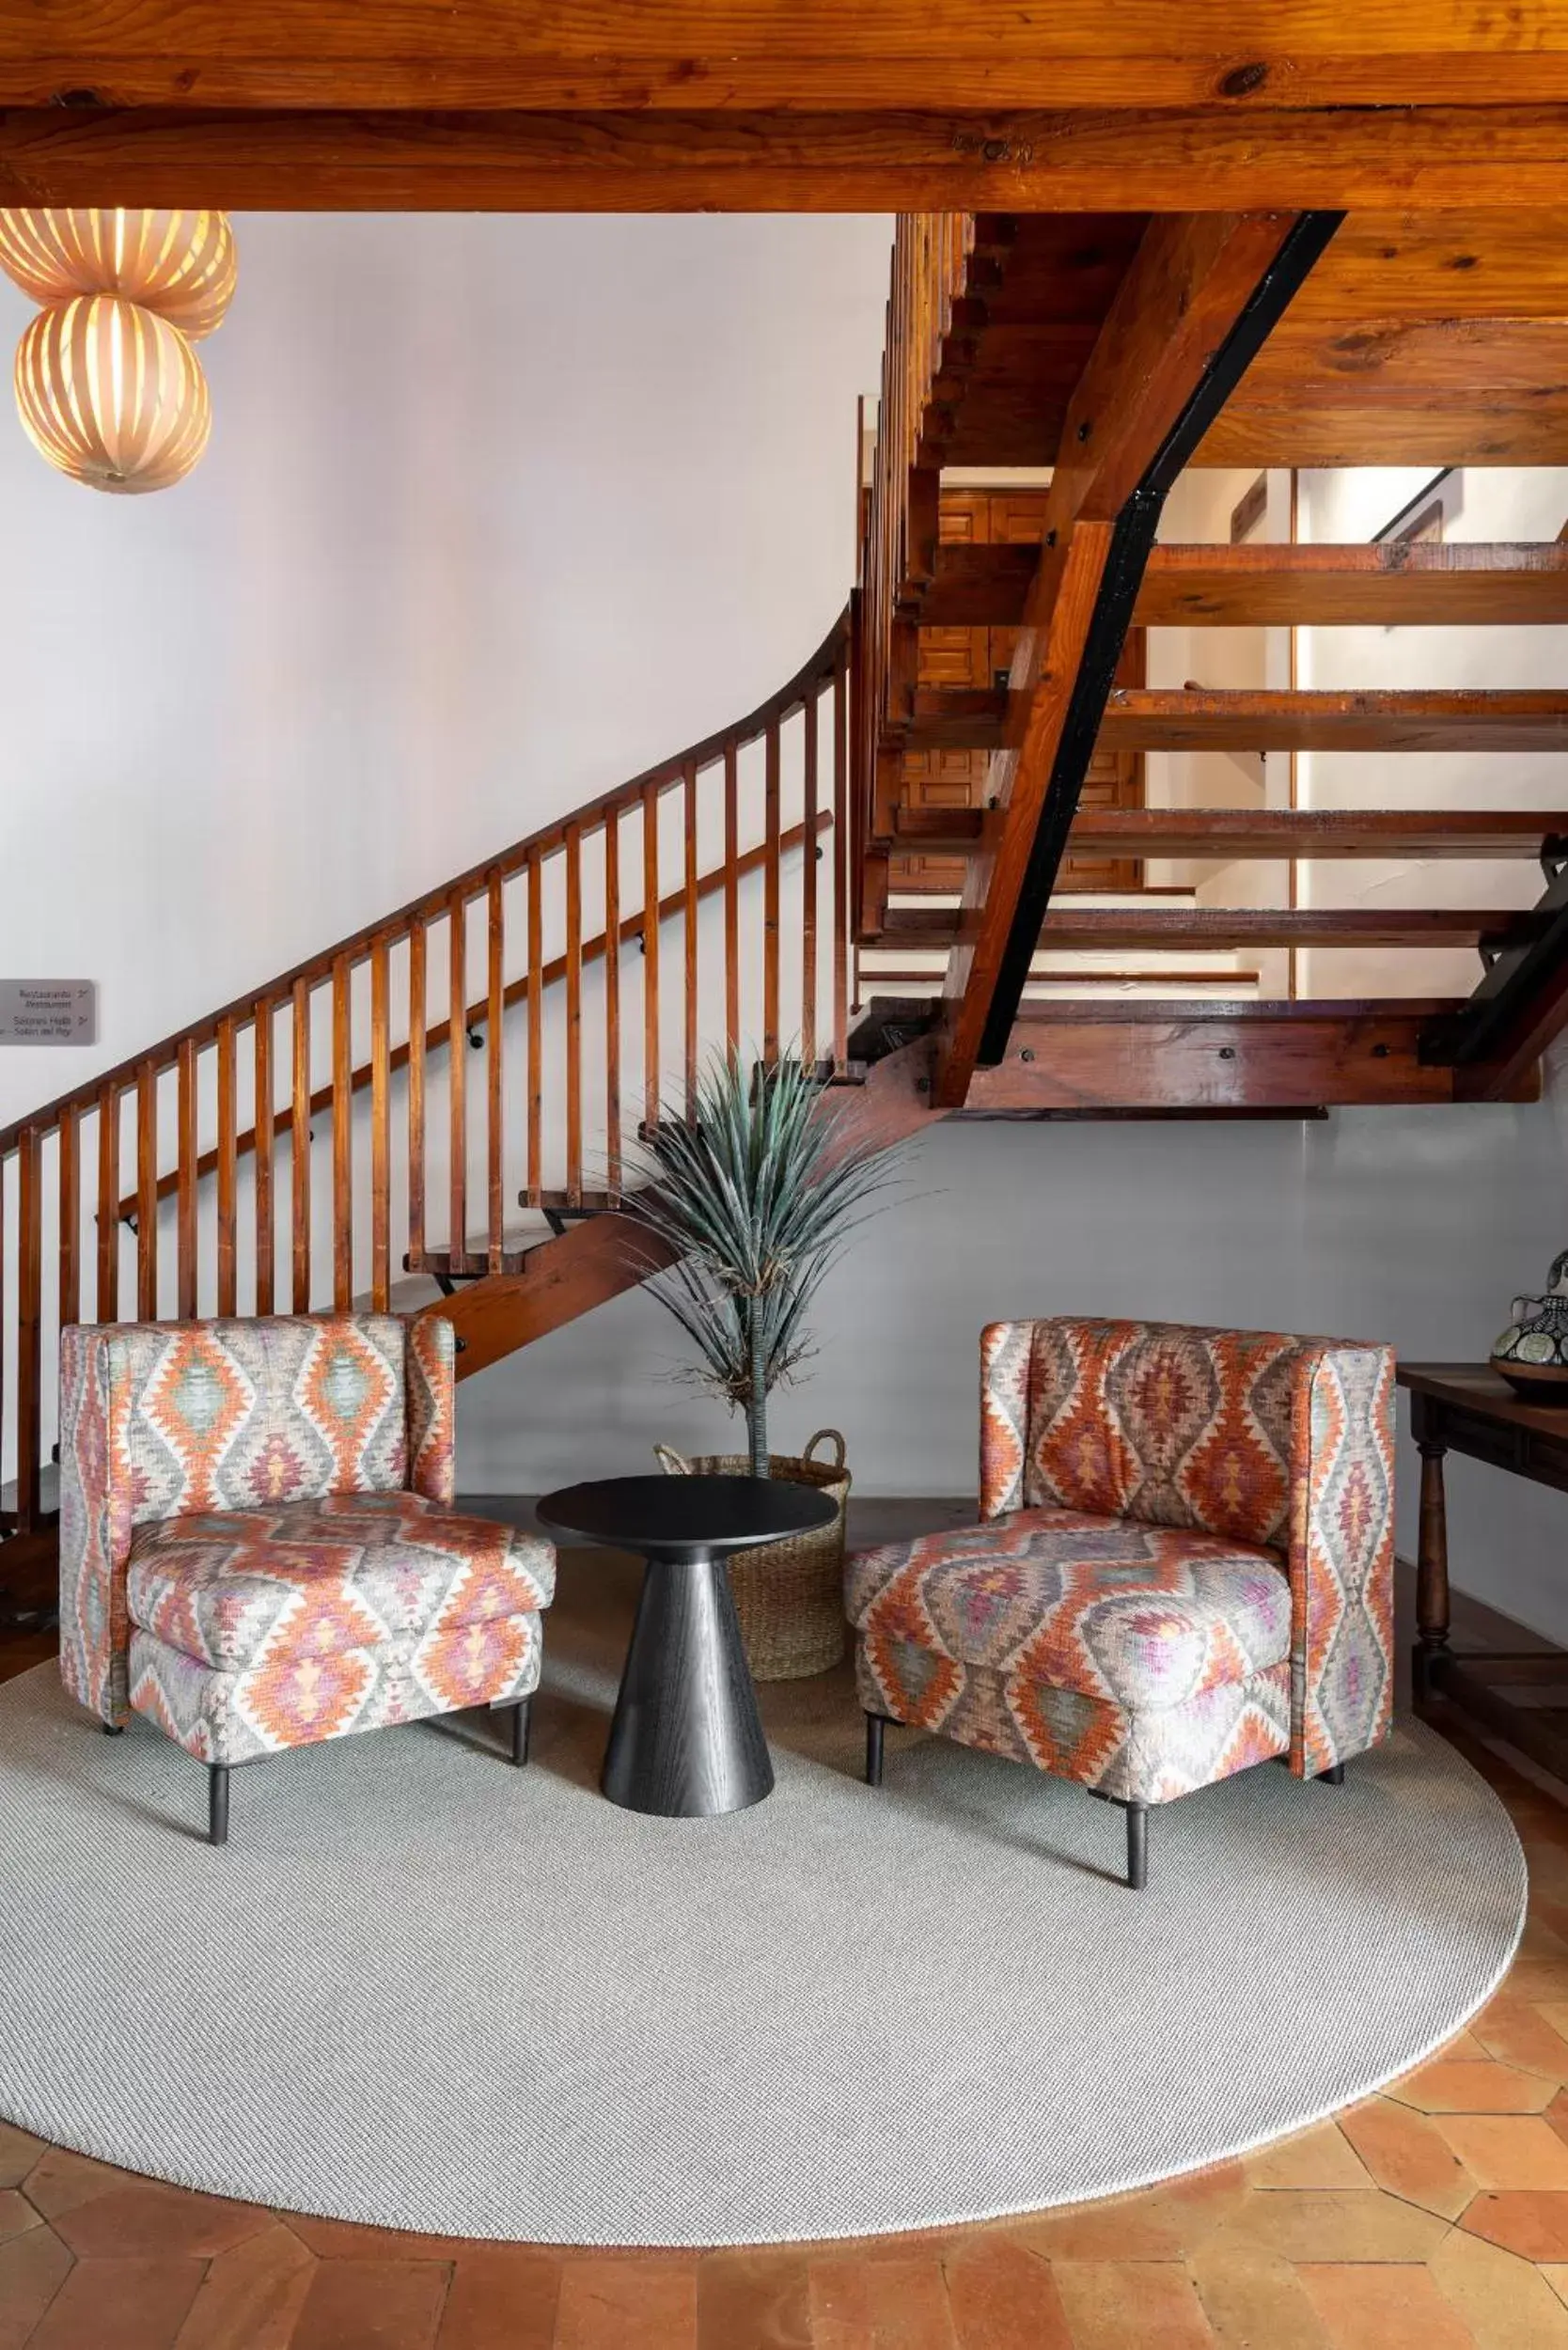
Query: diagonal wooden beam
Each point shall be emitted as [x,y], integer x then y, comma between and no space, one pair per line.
[1198,299]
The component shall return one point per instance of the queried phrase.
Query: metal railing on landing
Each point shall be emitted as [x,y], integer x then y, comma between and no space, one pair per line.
[268,1168]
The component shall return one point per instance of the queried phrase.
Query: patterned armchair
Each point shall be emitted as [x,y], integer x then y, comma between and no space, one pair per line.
[1185,1564]
[257,1544]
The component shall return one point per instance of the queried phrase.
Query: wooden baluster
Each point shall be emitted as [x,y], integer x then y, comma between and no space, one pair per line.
[263,1120]
[300,1147]
[29,1330]
[495,1013]
[4,1326]
[612,1003]
[381,1130]
[185,1190]
[342,1136]
[731,901]
[536,1027]
[770,901]
[841,860]
[147,1193]
[573,1017]
[688,818]
[228,1170]
[416,1093]
[811,717]
[106,1293]
[651,1050]
[68,1138]
[456,1080]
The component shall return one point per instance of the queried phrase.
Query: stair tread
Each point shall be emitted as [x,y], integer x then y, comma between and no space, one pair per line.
[1261,832]
[1152,718]
[1239,926]
[1274,585]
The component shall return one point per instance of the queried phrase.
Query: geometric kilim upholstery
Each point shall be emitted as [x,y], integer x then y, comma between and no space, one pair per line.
[351,1572]
[256,1543]
[1183,1564]
[1141,1615]
[1143,1659]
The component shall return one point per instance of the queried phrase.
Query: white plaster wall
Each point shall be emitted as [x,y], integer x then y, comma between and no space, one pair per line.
[498,510]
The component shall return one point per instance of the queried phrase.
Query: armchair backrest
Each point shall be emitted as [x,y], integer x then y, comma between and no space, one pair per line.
[165,1420]
[1174,1426]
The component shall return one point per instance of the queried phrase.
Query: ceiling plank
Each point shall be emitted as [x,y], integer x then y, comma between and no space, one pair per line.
[852,159]
[751,52]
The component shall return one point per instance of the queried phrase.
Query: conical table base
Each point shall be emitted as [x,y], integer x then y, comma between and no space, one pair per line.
[687,1741]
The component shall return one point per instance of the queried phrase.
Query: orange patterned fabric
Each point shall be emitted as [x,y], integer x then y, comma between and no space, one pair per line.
[245,1503]
[1253,1436]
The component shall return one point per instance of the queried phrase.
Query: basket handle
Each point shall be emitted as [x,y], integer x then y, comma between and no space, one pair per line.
[829,1435]
[671,1462]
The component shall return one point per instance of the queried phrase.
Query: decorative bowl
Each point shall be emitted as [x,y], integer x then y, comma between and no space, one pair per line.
[1533,1353]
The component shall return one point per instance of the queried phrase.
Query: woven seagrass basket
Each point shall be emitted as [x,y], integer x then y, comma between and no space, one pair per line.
[788,1596]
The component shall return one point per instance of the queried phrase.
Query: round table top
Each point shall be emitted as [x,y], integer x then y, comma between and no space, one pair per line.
[659,1515]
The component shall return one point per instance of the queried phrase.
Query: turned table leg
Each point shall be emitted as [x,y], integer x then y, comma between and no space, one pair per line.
[1431,1571]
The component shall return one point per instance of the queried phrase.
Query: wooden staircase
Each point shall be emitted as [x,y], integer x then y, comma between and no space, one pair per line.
[999,608]
[932,866]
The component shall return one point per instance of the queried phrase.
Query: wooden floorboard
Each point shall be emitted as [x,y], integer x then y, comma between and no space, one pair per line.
[1180,928]
[1263,833]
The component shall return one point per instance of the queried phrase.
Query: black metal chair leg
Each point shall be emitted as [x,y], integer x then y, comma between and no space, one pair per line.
[1334,1776]
[217,1803]
[521,1717]
[875,1724]
[1137,1845]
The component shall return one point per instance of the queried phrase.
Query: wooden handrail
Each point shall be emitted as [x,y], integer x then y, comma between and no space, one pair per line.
[478,1014]
[667,774]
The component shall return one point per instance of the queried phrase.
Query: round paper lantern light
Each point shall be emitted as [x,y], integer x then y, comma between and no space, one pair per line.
[112,394]
[183,265]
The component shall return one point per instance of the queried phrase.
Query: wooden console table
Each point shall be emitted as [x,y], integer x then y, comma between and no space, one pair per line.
[1466,1408]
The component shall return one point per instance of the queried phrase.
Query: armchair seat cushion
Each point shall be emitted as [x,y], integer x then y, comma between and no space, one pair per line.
[325,1577]
[1142,1616]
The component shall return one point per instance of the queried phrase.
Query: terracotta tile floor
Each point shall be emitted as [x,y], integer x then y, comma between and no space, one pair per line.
[1433,2217]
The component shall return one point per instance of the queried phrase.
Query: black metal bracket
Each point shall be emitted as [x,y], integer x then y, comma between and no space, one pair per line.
[1132,537]
[1516,973]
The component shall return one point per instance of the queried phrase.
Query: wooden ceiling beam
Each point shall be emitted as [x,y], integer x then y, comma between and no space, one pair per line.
[1458,585]
[325,158]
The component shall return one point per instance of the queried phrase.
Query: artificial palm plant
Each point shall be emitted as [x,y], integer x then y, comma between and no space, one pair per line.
[754,1191]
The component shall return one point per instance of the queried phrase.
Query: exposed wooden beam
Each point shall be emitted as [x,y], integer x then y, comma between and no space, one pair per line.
[422,53]
[1263,833]
[648,160]
[1164,929]
[1103,1057]
[1199,297]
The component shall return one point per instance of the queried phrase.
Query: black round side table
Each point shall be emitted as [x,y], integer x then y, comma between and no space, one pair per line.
[687,1741]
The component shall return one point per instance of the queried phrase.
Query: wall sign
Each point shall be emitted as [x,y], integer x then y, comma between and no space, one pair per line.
[48,1012]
